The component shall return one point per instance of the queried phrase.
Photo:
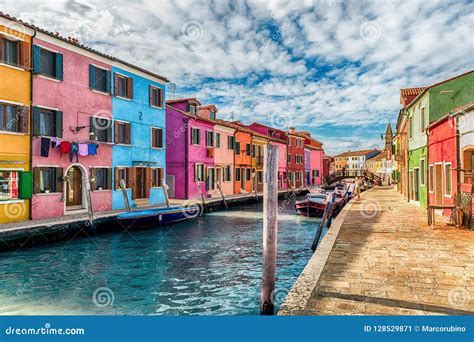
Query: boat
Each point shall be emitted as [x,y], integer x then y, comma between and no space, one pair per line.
[314,205]
[159,216]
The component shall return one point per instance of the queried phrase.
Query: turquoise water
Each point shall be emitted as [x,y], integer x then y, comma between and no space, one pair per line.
[207,266]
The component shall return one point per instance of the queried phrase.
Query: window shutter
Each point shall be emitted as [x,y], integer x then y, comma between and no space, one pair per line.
[160,138]
[109,178]
[1,49]
[153,137]
[150,94]
[198,136]
[92,175]
[25,55]
[115,84]
[59,66]
[24,120]
[107,81]
[36,59]
[128,133]
[116,132]
[36,180]
[129,87]
[59,124]
[91,76]
[148,181]
[36,121]
[160,97]
[133,182]
[195,172]
[26,185]
[116,178]
[130,173]
[59,181]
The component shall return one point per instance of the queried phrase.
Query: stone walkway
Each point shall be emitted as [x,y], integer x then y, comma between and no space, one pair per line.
[383,259]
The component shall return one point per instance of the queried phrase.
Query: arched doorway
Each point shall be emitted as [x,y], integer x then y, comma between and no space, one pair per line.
[74,189]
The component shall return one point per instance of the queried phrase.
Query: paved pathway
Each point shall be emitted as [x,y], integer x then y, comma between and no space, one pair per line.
[385,260]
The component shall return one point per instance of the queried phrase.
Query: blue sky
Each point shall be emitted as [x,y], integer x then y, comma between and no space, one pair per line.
[330,67]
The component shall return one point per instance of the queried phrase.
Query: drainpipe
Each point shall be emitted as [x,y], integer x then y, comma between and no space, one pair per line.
[30,216]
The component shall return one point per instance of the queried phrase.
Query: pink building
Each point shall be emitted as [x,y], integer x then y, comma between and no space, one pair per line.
[67,109]
[280,139]
[190,150]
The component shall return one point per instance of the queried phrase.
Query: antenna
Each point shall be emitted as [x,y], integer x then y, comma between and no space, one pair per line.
[172,87]
[232,116]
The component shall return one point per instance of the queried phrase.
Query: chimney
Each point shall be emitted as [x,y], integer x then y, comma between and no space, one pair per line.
[292,130]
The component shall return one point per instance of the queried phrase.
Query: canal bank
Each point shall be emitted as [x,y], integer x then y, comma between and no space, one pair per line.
[29,233]
[380,258]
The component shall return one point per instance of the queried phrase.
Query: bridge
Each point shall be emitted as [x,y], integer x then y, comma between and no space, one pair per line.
[348,174]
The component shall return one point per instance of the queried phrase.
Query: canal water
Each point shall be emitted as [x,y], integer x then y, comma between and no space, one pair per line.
[207,266]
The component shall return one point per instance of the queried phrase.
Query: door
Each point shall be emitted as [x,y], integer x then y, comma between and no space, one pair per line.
[438,186]
[141,181]
[210,178]
[242,178]
[219,175]
[74,189]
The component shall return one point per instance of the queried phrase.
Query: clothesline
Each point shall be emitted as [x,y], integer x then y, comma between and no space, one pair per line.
[68,147]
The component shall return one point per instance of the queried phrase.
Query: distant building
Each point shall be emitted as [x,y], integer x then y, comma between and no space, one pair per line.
[354,161]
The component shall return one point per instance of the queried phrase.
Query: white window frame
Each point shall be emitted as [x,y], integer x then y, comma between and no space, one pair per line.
[446,195]
[422,175]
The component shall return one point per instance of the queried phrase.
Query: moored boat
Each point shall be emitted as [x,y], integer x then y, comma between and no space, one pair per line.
[314,205]
[160,216]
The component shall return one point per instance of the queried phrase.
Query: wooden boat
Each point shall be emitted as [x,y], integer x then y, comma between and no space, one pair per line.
[314,204]
[159,216]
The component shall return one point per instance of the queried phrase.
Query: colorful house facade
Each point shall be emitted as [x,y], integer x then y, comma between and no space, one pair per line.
[190,150]
[15,174]
[139,131]
[242,158]
[295,157]
[315,156]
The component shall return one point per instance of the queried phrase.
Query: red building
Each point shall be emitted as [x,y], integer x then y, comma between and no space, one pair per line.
[328,165]
[442,162]
[296,167]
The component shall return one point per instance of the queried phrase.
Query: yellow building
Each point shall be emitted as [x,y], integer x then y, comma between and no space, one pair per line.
[259,143]
[15,99]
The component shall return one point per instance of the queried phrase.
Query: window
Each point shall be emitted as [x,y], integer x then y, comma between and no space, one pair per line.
[315,173]
[237,174]
[99,79]
[230,142]
[212,115]
[199,172]
[47,122]
[9,185]
[247,174]
[410,127]
[101,129]
[121,173]
[431,178]
[13,118]
[260,176]
[448,179]
[288,159]
[156,137]
[156,177]
[47,179]
[254,148]
[156,97]
[248,151]
[192,109]
[422,119]
[11,53]
[48,65]
[218,140]
[103,178]
[209,139]
[123,86]
[122,133]
[237,147]
[227,174]
[195,136]
[422,172]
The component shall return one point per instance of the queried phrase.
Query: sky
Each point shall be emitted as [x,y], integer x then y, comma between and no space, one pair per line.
[334,68]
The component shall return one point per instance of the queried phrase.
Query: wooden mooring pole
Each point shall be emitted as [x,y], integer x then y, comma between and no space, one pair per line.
[124,194]
[198,185]
[270,229]
[165,188]
[222,193]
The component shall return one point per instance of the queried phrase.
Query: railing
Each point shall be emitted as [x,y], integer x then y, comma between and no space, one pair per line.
[342,174]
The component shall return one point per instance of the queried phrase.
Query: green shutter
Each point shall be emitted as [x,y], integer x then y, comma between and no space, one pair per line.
[36,59]
[107,81]
[36,121]
[91,76]
[59,66]
[59,124]
[26,185]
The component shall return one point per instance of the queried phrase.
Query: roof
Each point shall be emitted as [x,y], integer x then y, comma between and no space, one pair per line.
[356,153]
[183,100]
[436,84]
[411,91]
[77,44]
[195,117]
[380,156]
[209,106]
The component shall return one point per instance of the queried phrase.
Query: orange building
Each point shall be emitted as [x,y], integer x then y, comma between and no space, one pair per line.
[242,143]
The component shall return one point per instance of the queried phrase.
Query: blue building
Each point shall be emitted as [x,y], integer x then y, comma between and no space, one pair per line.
[138,154]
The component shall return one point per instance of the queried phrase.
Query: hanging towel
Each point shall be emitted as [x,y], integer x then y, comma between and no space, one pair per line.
[64,148]
[83,150]
[45,142]
[93,149]
[55,142]
[74,149]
